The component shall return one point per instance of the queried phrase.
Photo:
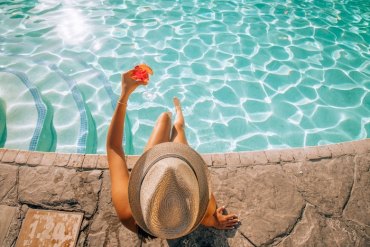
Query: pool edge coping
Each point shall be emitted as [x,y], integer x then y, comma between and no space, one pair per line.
[228,159]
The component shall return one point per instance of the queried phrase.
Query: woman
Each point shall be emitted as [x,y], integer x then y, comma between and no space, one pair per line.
[178,181]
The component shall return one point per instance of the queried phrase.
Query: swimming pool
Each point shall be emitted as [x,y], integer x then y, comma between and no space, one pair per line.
[250,74]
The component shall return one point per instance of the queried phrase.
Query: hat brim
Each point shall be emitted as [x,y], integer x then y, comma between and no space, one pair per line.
[153,155]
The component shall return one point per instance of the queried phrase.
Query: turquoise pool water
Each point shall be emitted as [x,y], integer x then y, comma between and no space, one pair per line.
[250,74]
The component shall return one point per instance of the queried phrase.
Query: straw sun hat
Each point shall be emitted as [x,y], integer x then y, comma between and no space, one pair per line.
[169,190]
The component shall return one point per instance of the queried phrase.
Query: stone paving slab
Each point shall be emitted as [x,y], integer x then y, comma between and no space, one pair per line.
[325,184]
[7,215]
[90,161]
[315,196]
[22,157]
[358,207]
[58,188]
[9,156]
[48,159]
[49,228]
[62,159]
[8,184]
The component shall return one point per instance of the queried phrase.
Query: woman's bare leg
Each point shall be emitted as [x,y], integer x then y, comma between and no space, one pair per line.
[161,131]
[178,129]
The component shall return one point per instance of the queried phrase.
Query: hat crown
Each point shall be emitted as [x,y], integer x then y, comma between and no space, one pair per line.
[162,163]
[169,197]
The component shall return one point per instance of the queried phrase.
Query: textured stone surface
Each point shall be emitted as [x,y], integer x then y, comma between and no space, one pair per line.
[9,156]
[90,161]
[319,202]
[336,150]
[246,158]
[76,160]
[324,152]
[102,162]
[207,158]
[58,188]
[259,157]
[264,198]
[232,159]
[325,184]
[106,229]
[22,157]
[62,160]
[35,158]
[2,152]
[131,160]
[48,159]
[49,228]
[7,215]
[358,207]
[8,183]
[298,154]
[315,230]
[218,160]
[273,156]
[312,153]
[286,155]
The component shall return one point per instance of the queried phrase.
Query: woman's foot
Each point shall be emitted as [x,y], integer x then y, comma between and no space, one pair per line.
[178,132]
[179,116]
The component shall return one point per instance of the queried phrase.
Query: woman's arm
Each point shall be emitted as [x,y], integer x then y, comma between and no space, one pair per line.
[116,157]
[215,218]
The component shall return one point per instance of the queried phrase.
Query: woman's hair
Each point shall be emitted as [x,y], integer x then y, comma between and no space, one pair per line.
[143,235]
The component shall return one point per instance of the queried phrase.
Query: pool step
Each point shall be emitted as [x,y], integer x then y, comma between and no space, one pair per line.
[43,117]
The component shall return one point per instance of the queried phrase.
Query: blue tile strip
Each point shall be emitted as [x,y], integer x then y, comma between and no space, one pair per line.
[77,96]
[40,106]
[129,148]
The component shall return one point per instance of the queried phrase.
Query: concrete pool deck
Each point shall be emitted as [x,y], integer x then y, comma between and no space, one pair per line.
[314,196]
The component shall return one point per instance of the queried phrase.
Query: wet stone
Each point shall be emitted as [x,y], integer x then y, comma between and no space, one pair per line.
[8,183]
[263,197]
[325,183]
[59,188]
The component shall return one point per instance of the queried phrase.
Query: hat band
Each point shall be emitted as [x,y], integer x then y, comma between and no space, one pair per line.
[163,157]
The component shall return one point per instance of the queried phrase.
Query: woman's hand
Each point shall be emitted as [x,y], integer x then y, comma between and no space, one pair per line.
[228,221]
[130,81]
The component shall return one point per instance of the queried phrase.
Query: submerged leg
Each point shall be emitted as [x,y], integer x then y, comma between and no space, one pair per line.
[161,131]
[178,131]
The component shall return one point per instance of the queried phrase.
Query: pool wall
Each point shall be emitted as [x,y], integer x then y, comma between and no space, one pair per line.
[291,197]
